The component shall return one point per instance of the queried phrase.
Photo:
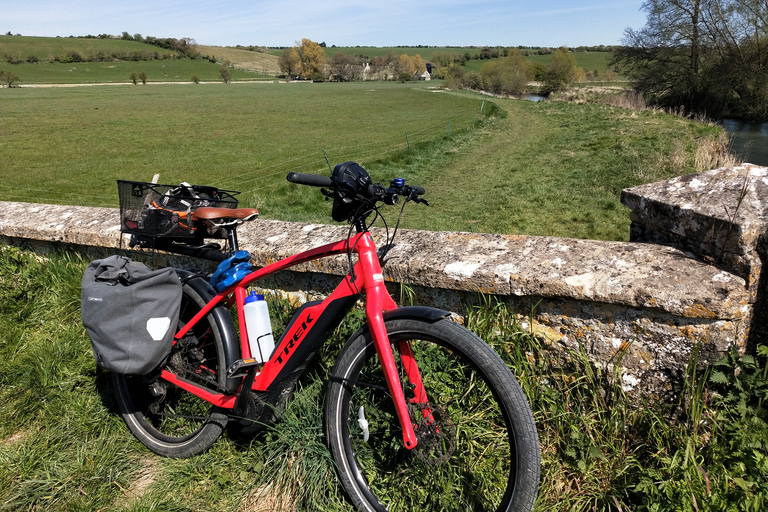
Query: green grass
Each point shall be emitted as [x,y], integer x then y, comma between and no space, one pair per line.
[549,168]
[63,445]
[178,70]
[70,145]
[45,48]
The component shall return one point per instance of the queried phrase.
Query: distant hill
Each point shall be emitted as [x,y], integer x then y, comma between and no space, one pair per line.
[76,49]
[246,60]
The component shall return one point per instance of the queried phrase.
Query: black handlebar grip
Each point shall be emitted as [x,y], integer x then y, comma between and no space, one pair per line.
[313,180]
[419,191]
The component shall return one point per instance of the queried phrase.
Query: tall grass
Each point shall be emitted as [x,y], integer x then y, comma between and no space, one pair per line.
[602,451]
[63,445]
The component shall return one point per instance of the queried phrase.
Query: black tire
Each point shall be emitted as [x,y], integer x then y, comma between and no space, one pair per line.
[484,455]
[165,418]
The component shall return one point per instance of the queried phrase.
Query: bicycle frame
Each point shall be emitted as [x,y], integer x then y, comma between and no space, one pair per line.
[307,331]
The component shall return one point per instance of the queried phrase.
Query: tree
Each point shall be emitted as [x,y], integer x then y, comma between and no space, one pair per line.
[562,71]
[706,56]
[404,68]
[290,62]
[669,48]
[8,78]
[342,66]
[454,77]
[134,77]
[419,65]
[143,77]
[312,58]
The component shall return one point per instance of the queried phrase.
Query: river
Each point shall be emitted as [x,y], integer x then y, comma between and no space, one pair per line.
[748,140]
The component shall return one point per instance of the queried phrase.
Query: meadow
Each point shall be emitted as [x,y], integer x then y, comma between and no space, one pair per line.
[489,164]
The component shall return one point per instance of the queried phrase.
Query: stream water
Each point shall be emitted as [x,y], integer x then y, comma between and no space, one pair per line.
[748,140]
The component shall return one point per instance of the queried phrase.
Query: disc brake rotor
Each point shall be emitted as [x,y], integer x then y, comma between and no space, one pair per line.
[435,432]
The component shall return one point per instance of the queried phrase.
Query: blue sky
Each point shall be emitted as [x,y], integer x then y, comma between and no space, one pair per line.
[339,22]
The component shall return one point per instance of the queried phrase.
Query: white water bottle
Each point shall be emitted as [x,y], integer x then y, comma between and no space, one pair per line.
[259,327]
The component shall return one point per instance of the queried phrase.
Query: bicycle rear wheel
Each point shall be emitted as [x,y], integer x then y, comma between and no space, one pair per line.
[165,418]
[481,451]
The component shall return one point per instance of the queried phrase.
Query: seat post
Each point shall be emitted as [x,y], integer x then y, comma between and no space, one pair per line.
[232,238]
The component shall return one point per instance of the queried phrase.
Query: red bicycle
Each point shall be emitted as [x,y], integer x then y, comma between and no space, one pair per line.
[420,413]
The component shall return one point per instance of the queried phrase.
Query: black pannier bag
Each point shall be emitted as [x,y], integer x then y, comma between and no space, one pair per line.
[130,312]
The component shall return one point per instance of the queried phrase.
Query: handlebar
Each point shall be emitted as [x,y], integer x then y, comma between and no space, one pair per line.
[313,180]
[354,195]
[374,192]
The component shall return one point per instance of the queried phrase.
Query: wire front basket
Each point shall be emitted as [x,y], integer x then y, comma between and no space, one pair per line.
[165,211]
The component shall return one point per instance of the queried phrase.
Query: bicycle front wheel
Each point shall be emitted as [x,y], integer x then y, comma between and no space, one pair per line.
[477,442]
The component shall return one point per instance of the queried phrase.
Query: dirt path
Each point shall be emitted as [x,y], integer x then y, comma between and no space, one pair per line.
[148,83]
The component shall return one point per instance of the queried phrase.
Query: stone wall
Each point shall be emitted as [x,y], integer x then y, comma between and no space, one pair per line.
[691,273]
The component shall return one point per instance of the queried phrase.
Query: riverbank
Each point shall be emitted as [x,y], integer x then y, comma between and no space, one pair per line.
[748,139]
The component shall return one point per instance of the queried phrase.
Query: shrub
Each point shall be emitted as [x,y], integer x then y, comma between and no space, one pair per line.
[134,77]
[74,56]
[12,59]
[562,71]
[195,79]
[225,74]
[509,75]
[32,59]
[454,77]
[143,77]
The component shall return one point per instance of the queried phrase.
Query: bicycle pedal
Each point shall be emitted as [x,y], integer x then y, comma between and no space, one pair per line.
[241,367]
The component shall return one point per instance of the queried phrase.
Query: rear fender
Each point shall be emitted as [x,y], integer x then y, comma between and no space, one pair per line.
[220,314]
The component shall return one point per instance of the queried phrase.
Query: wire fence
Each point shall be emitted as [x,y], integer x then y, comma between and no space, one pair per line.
[260,180]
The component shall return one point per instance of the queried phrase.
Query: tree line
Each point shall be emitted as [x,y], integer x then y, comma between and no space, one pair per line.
[513,74]
[307,61]
[703,56]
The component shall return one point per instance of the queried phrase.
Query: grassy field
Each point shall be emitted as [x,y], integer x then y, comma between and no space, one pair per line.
[549,168]
[168,68]
[64,446]
[45,48]
[255,62]
[120,72]
[60,143]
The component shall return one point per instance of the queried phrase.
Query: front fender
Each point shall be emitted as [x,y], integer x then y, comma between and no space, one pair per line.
[431,315]
[428,314]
